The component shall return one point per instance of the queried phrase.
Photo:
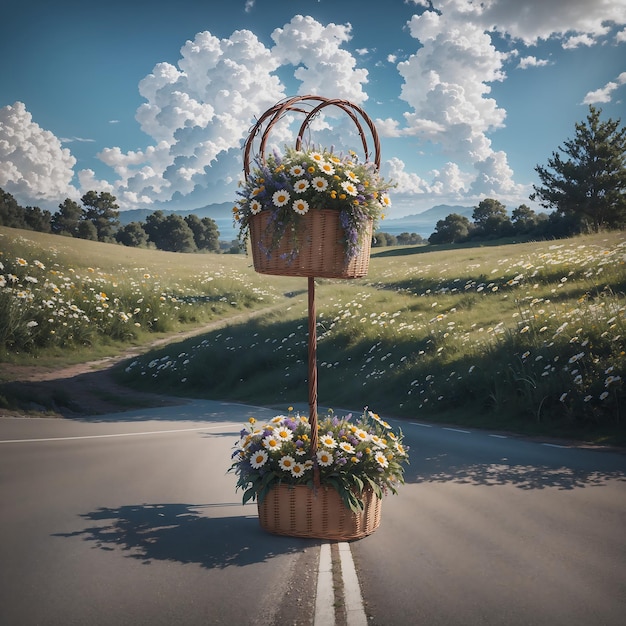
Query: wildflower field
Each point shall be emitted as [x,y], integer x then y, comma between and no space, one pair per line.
[61,294]
[526,337]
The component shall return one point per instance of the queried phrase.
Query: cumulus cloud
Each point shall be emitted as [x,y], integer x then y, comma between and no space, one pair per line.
[534,20]
[33,164]
[199,111]
[447,80]
[605,94]
[321,64]
[530,61]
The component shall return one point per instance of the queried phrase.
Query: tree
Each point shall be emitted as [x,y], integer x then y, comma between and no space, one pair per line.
[409,239]
[37,219]
[177,236]
[155,228]
[205,232]
[132,235]
[524,219]
[381,240]
[11,213]
[491,219]
[86,230]
[65,220]
[101,210]
[589,181]
[452,229]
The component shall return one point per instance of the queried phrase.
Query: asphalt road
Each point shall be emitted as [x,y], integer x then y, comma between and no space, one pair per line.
[501,531]
[131,519]
[102,524]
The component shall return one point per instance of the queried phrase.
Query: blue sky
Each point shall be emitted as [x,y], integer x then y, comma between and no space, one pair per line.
[151,101]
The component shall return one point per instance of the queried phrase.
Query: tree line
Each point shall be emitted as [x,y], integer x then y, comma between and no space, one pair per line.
[98,220]
[584,183]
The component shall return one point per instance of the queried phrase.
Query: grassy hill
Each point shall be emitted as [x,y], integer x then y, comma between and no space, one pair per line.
[526,337]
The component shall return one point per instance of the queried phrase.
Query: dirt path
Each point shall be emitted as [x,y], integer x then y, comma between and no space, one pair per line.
[88,388]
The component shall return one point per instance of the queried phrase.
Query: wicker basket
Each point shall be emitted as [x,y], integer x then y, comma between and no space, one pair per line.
[298,511]
[321,250]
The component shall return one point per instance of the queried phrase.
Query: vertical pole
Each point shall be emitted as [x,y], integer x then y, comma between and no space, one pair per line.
[313,375]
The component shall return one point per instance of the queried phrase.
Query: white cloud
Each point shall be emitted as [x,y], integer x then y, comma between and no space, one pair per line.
[321,64]
[578,40]
[604,94]
[620,37]
[408,183]
[197,113]
[34,167]
[534,20]
[530,61]
[200,111]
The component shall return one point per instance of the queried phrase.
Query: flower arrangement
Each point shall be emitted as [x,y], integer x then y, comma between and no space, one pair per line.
[351,456]
[300,181]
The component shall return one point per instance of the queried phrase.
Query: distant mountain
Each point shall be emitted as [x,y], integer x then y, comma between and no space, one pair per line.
[221,210]
[423,223]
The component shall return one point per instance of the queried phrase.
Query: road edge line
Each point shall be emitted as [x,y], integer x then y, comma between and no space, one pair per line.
[355,610]
[325,592]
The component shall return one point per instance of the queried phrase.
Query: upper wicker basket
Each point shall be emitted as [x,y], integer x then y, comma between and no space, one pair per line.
[321,251]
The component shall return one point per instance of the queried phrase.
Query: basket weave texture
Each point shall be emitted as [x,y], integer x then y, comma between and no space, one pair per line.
[321,251]
[298,511]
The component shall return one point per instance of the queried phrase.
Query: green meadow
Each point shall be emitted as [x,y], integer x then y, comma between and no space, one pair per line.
[526,337]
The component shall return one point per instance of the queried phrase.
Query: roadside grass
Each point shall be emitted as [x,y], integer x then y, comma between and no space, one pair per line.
[525,337]
[64,299]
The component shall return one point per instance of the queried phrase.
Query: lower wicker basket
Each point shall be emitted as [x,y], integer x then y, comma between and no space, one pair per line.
[321,249]
[299,511]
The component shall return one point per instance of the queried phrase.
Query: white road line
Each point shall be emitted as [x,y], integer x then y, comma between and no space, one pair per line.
[458,430]
[325,594]
[423,425]
[355,611]
[152,432]
[499,436]
[554,445]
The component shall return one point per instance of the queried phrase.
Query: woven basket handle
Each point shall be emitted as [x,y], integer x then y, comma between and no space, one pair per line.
[310,106]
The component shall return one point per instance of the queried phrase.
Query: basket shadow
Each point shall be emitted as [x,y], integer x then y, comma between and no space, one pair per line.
[182,533]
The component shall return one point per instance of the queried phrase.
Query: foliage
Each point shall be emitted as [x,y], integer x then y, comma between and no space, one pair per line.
[101,210]
[452,229]
[438,335]
[97,220]
[289,186]
[351,456]
[51,298]
[589,181]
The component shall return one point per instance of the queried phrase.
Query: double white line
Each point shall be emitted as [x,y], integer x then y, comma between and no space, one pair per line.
[325,597]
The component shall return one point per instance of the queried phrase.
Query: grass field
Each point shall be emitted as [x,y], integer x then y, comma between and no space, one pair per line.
[524,337]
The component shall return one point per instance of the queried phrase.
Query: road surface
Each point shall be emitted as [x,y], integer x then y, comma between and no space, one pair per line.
[132,519]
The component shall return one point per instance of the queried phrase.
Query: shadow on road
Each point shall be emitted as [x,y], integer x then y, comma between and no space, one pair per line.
[441,468]
[183,533]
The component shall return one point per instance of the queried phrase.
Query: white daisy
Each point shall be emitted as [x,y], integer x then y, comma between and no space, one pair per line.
[327,168]
[255,207]
[381,459]
[296,170]
[258,459]
[346,447]
[324,458]
[280,197]
[349,187]
[286,463]
[271,443]
[301,185]
[328,441]
[297,470]
[319,183]
[301,207]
